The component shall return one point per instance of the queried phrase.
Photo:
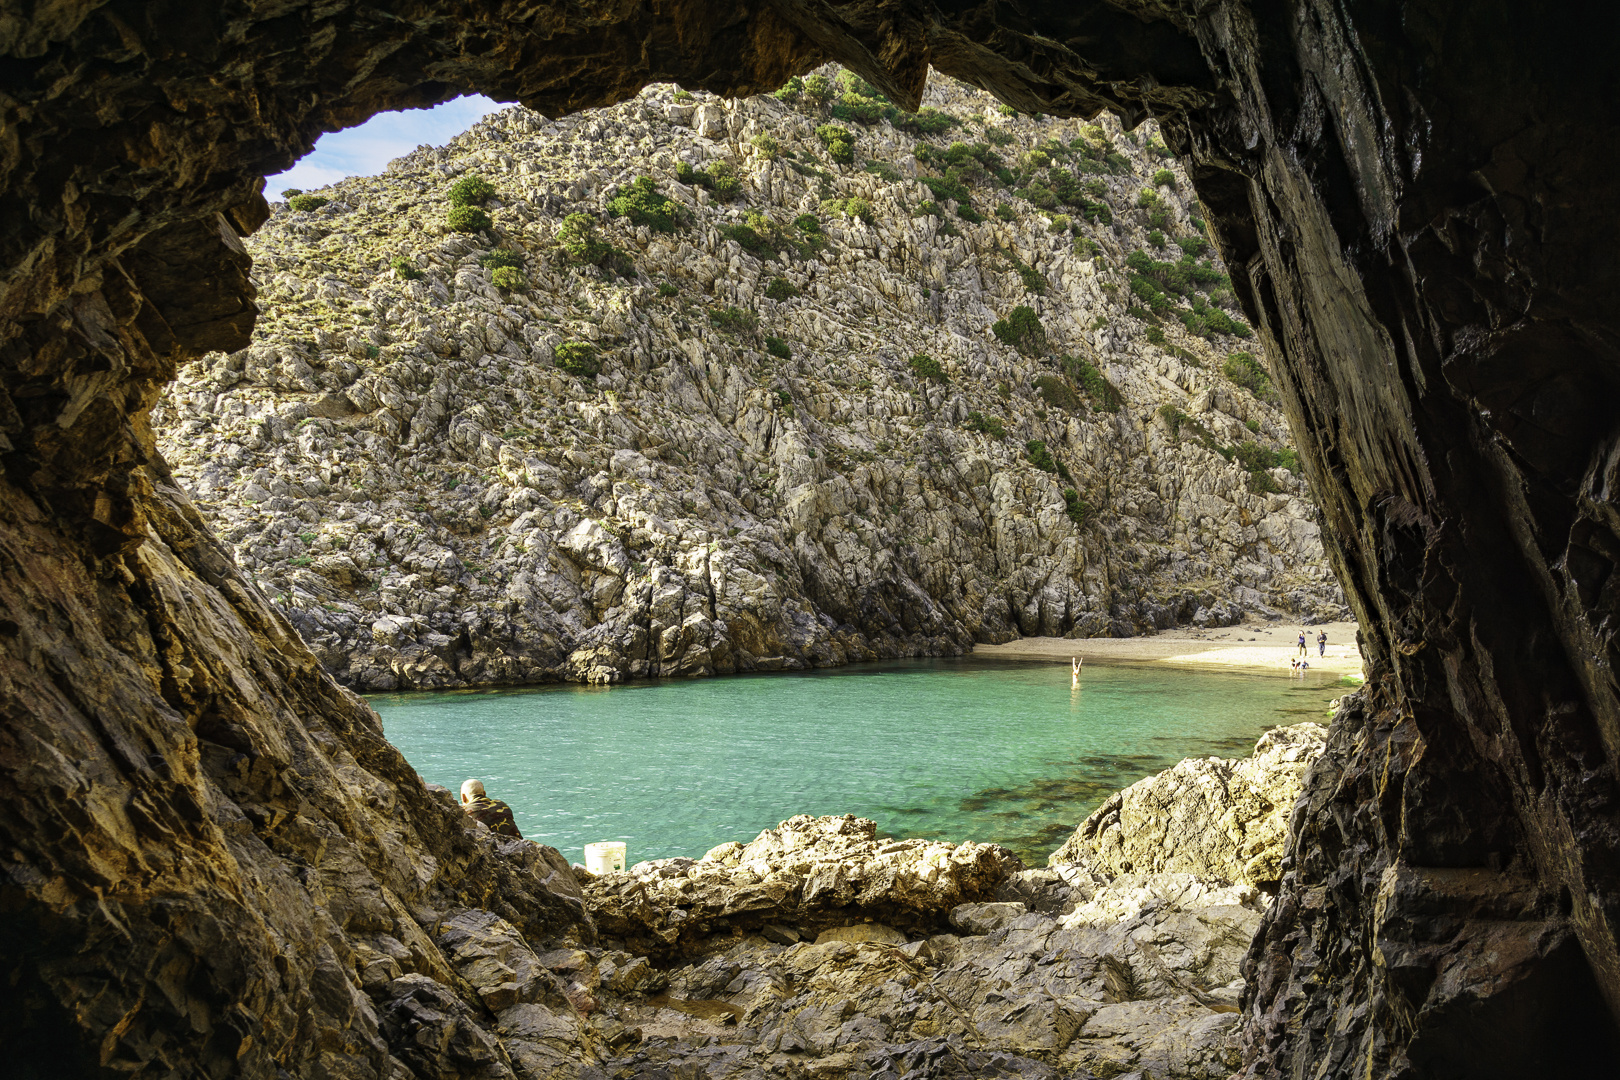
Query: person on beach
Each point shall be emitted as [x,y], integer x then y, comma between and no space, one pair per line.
[492,813]
[1303,651]
[1293,664]
[1321,643]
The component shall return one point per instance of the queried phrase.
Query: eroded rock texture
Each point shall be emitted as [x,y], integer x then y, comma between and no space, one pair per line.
[1220,819]
[408,475]
[1417,201]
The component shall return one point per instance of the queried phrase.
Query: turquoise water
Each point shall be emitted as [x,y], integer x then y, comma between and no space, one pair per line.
[953,749]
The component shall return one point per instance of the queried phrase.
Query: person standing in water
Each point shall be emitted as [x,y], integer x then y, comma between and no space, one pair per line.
[1074,668]
[1303,651]
[1321,643]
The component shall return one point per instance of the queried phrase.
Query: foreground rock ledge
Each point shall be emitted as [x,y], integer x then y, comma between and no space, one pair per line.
[1418,204]
[821,949]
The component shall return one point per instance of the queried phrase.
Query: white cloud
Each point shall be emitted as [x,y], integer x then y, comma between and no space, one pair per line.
[367,149]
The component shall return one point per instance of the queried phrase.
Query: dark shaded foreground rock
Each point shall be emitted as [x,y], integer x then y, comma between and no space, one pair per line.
[1418,202]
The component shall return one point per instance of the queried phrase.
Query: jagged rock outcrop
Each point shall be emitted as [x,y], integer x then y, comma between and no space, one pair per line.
[1416,202]
[1217,819]
[811,873]
[818,945]
[432,501]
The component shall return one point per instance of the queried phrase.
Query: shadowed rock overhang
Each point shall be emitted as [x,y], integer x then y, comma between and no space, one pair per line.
[1417,203]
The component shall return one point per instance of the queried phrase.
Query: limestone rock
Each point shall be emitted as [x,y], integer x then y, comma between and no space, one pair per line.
[808,876]
[432,502]
[1218,819]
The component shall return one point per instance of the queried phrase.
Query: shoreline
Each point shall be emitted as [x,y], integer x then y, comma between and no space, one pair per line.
[1264,647]
[1251,648]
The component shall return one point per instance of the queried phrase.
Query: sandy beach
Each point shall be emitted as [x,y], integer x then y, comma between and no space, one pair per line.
[1261,646]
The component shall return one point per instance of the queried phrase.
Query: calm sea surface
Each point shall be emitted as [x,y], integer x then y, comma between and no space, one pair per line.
[954,749]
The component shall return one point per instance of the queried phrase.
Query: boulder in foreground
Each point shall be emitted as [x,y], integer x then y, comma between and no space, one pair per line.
[1218,819]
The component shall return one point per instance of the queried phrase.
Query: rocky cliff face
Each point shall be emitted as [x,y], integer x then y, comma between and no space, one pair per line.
[756,477]
[1415,203]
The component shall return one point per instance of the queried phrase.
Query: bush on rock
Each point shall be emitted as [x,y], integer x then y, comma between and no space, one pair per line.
[577,358]
[508,277]
[471,190]
[1022,330]
[467,219]
[644,204]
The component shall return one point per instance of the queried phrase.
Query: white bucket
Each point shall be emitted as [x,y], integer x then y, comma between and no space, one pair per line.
[606,857]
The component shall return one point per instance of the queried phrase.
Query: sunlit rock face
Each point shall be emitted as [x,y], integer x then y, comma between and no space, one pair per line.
[205,836]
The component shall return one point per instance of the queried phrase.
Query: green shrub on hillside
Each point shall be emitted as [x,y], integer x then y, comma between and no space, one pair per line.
[839,142]
[987,425]
[1056,391]
[1104,394]
[781,289]
[766,145]
[507,277]
[1163,178]
[1156,238]
[790,90]
[808,223]
[306,203]
[582,246]
[1036,453]
[665,288]
[855,207]
[577,358]
[733,320]
[471,190]
[1022,330]
[467,219]
[925,367]
[860,101]
[1243,369]
[927,121]
[721,178]
[725,181]
[683,96]
[949,186]
[819,87]
[644,204]
[1076,507]
[778,348]
[1005,212]
[405,268]
[499,257]
[1034,281]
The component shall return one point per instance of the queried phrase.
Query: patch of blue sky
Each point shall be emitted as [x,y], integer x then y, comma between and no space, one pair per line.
[366,149]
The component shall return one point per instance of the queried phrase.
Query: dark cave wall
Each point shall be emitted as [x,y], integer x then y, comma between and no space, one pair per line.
[1418,203]
[1427,236]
